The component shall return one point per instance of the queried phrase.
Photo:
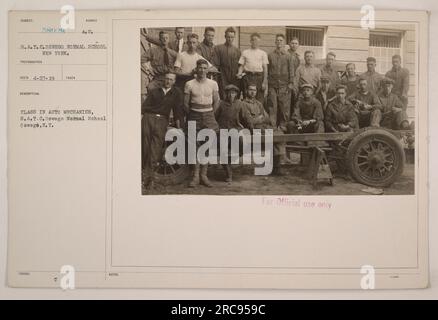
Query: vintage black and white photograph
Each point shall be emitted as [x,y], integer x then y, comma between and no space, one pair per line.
[278,110]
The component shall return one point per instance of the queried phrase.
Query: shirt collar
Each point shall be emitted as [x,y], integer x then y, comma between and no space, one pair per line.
[166,90]
[207,44]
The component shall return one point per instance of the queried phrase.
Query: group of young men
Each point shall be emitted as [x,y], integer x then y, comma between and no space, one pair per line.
[255,90]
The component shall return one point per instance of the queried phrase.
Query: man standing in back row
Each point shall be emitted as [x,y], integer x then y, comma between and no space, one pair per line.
[226,60]
[253,68]
[280,83]
[400,76]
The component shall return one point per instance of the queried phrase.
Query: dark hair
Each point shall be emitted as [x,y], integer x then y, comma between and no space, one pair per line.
[309,51]
[162,32]
[255,34]
[396,56]
[350,64]
[209,29]
[294,38]
[192,35]
[200,62]
[170,72]
[331,53]
[230,29]
[280,35]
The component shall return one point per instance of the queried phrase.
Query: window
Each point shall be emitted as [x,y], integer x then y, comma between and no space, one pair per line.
[383,45]
[309,38]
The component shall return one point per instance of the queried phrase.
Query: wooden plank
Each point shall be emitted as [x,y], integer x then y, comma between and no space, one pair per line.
[264,48]
[331,136]
[351,55]
[334,43]
[411,46]
[411,113]
[262,30]
[409,58]
[410,36]
[265,40]
[395,27]
[347,32]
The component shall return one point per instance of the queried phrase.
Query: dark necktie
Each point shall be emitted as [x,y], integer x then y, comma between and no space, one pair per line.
[166,57]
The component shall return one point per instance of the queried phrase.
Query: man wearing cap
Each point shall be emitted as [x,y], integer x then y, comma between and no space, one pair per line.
[374,79]
[253,68]
[339,115]
[201,98]
[367,105]
[227,116]
[401,79]
[307,73]
[226,60]
[325,93]
[393,109]
[350,79]
[328,69]
[308,115]
[254,116]
[280,83]
[155,120]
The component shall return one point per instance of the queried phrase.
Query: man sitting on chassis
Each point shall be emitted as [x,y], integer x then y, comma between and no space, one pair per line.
[254,116]
[308,115]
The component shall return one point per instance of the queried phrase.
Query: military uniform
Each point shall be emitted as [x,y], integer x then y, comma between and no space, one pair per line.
[280,75]
[338,113]
[367,117]
[228,117]
[226,60]
[254,116]
[374,81]
[307,109]
[392,118]
[325,96]
[401,83]
[162,60]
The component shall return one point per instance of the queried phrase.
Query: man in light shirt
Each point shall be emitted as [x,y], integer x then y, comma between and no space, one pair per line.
[253,68]
[308,73]
[185,62]
[201,99]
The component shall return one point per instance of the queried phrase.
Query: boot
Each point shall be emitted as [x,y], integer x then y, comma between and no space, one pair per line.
[195,177]
[228,172]
[204,178]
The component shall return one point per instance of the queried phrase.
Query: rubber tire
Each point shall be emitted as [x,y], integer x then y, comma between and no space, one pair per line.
[389,138]
[179,176]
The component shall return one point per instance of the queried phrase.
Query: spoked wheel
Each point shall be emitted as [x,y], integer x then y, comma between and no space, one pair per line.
[171,173]
[375,157]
